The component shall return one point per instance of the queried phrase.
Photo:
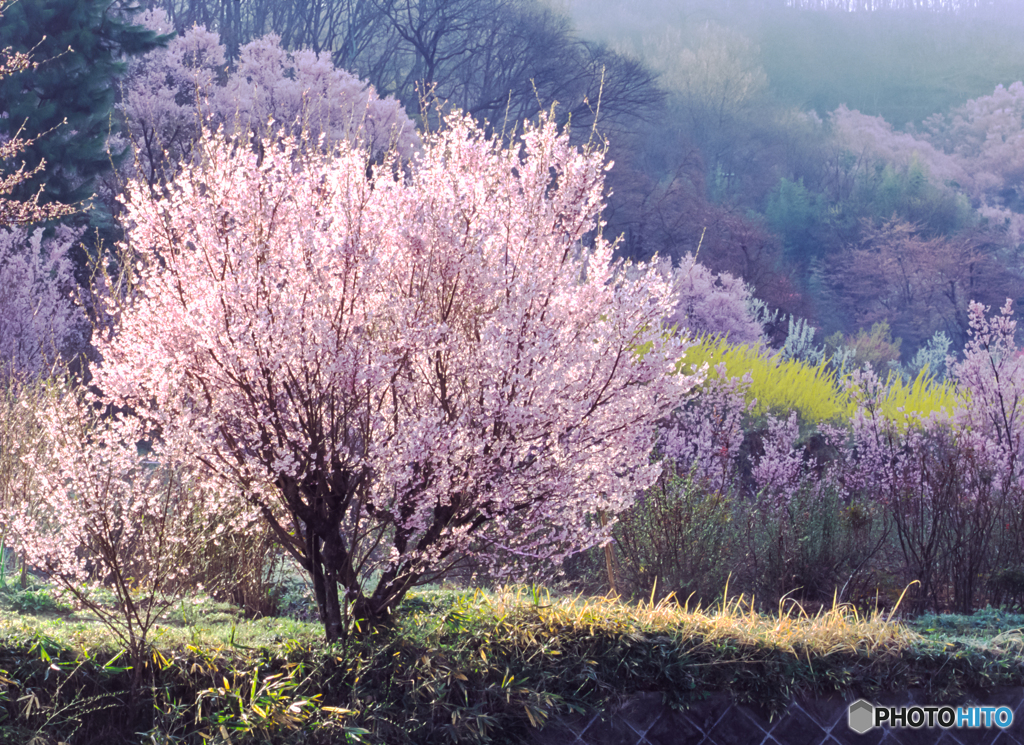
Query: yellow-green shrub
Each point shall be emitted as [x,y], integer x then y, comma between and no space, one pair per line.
[780,386]
[904,402]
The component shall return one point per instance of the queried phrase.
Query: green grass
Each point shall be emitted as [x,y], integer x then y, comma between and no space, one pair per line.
[465,665]
[987,629]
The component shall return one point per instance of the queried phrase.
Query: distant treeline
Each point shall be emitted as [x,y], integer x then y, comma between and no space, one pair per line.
[852,6]
[347,27]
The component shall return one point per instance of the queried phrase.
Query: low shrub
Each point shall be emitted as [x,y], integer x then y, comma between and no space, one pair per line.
[679,537]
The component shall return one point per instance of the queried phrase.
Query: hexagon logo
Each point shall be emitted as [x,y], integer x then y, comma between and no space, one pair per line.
[861,716]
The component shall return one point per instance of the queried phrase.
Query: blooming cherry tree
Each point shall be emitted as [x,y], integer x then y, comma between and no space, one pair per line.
[986,137]
[873,140]
[709,303]
[304,91]
[173,92]
[96,510]
[39,320]
[993,372]
[400,365]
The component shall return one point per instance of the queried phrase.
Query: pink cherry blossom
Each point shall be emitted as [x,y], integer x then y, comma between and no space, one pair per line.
[171,93]
[402,366]
[94,510]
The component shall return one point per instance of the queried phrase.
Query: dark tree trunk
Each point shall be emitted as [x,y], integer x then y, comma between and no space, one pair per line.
[325,588]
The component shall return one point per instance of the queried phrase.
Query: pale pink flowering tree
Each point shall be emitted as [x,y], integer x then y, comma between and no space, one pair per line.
[795,542]
[992,371]
[1006,221]
[873,140]
[99,512]
[172,93]
[40,321]
[709,303]
[304,92]
[991,422]
[164,97]
[791,463]
[399,368]
[908,472]
[986,137]
[779,471]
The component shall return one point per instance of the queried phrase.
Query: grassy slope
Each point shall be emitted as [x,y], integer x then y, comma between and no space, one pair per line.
[463,664]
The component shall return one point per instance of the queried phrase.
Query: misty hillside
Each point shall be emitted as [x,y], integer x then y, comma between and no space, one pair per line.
[835,143]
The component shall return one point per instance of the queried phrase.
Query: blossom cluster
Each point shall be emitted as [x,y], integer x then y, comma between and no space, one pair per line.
[172,93]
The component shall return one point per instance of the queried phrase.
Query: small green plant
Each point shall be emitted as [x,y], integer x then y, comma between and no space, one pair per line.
[269,705]
[34,600]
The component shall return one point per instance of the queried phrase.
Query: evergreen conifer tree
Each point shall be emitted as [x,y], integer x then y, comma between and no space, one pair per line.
[63,106]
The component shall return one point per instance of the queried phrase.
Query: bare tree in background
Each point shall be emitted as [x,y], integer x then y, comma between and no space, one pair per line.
[500,60]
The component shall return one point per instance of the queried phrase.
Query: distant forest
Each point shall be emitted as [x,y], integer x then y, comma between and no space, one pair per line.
[858,163]
[861,162]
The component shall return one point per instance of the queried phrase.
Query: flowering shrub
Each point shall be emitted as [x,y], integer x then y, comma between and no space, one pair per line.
[993,372]
[172,93]
[39,320]
[816,392]
[703,438]
[97,511]
[777,385]
[398,371]
[992,376]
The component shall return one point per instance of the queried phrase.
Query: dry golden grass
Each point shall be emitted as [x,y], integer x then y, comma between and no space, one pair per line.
[528,616]
[532,617]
